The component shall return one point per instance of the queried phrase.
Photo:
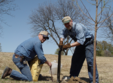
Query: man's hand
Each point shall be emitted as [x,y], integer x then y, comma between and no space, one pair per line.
[48,63]
[60,43]
[66,46]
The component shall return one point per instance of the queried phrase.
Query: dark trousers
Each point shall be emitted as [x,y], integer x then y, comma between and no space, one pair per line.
[81,52]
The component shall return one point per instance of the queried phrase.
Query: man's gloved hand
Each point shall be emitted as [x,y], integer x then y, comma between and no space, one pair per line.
[60,43]
[66,46]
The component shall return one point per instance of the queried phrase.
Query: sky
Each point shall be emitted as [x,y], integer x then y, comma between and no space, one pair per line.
[18,28]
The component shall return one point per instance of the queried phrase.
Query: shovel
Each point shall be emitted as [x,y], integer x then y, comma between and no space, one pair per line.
[59,65]
[51,74]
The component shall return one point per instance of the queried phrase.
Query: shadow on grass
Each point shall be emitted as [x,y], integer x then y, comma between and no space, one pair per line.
[9,78]
[85,79]
[44,78]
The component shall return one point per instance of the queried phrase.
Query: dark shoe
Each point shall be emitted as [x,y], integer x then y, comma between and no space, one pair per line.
[7,72]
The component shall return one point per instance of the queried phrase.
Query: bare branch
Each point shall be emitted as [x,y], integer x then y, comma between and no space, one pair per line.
[102,8]
[90,2]
[5,7]
[105,19]
[55,29]
[2,1]
[86,10]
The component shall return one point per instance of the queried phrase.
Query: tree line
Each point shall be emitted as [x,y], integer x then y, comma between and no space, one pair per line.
[104,49]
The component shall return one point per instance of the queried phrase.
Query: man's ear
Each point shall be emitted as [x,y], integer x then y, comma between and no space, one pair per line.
[71,21]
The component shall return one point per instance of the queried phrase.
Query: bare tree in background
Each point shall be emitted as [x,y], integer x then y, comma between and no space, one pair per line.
[100,8]
[6,7]
[108,27]
[48,17]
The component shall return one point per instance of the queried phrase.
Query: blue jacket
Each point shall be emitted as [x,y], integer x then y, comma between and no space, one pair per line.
[30,48]
[78,33]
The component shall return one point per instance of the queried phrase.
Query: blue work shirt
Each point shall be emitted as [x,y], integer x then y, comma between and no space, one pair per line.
[30,48]
[78,33]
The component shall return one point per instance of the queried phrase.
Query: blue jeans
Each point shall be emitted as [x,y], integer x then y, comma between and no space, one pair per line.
[81,52]
[24,69]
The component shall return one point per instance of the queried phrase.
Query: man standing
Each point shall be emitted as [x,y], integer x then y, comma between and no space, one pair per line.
[26,51]
[84,46]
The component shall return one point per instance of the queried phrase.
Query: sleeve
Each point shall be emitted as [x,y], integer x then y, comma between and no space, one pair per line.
[80,34]
[39,51]
[63,34]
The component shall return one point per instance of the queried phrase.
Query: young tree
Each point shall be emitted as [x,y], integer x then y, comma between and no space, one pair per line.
[100,8]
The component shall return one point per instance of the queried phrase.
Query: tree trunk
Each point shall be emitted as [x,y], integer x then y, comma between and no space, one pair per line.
[66,52]
[94,60]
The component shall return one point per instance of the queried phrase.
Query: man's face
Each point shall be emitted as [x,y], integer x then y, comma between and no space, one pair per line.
[68,25]
[43,39]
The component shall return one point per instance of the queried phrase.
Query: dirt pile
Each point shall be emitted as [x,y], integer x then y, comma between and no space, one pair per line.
[74,80]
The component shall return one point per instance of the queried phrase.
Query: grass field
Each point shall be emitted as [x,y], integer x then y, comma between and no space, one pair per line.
[104,64]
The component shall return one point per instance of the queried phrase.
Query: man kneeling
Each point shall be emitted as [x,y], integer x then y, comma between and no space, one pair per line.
[26,52]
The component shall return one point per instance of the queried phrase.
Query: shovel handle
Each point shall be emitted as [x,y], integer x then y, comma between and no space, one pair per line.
[51,74]
[59,64]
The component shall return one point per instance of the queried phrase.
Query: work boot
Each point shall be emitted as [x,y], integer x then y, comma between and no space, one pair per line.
[71,80]
[7,72]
